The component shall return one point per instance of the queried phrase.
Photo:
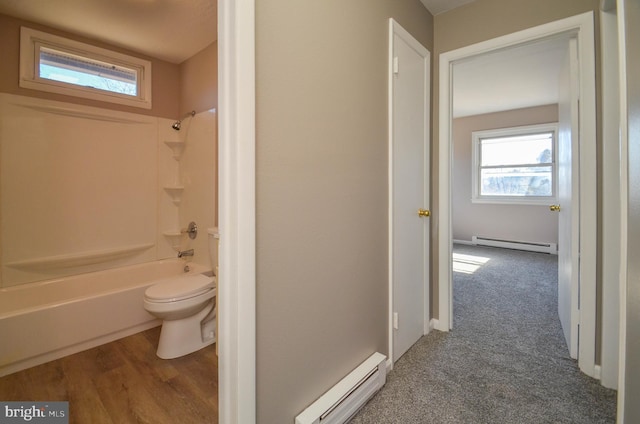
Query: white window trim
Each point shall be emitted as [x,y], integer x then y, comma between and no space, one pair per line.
[29,63]
[476,136]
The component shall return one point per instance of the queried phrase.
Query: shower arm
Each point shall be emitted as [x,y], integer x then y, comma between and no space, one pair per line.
[176,125]
[188,114]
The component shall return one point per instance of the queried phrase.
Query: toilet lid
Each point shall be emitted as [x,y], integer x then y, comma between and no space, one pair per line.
[181,287]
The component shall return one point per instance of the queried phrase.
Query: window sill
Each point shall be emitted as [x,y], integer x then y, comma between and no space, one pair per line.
[518,201]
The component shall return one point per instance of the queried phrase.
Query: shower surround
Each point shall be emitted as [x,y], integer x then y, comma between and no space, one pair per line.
[85,190]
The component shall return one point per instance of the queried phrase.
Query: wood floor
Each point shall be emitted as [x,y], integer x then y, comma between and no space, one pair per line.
[124,382]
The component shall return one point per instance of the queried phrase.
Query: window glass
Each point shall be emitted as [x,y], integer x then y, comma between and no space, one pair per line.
[515,165]
[520,150]
[516,181]
[65,67]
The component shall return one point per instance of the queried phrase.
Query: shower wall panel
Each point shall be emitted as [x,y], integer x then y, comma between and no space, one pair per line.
[198,174]
[79,189]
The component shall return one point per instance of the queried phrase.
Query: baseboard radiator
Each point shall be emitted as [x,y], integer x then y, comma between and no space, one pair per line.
[342,401]
[550,248]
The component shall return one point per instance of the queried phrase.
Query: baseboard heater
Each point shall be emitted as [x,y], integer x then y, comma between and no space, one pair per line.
[550,248]
[342,401]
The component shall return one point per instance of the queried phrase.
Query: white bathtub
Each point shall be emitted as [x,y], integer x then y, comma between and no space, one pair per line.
[47,320]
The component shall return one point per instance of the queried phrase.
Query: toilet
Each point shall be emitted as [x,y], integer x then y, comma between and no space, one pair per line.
[186,305]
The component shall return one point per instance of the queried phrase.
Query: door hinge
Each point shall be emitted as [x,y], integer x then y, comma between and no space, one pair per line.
[396,66]
[395,320]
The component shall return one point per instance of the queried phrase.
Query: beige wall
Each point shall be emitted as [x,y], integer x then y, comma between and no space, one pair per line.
[510,222]
[199,81]
[165,85]
[321,192]
[470,24]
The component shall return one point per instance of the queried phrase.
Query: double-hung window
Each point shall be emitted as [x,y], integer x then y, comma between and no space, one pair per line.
[515,165]
[60,65]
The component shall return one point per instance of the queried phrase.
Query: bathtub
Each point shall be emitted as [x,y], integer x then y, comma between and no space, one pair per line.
[47,320]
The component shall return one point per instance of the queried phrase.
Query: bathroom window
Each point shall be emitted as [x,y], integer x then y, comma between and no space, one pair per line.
[60,65]
[515,165]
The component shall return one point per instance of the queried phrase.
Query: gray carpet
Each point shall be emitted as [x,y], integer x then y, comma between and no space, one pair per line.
[505,361]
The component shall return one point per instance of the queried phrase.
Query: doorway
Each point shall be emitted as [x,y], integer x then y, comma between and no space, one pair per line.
[506,145]
[582,27]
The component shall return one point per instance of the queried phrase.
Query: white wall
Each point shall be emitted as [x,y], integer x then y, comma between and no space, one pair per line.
[510,222]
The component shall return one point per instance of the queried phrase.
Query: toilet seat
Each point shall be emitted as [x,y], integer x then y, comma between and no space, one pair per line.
[179,288]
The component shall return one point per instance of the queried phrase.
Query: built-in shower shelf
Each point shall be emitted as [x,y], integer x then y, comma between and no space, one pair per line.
[177,147]
[175,192]
[79,259]
[174,237]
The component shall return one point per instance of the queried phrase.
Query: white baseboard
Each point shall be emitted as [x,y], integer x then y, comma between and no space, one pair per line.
[433,324]
[467,242]
[597,372]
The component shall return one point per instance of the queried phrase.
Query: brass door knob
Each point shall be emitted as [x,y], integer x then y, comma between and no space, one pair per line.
[554,208]
[424,212]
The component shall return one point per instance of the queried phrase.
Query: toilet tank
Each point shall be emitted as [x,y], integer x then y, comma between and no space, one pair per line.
[214,238]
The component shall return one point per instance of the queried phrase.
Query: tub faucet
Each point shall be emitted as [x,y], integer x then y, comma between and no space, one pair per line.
[184,253]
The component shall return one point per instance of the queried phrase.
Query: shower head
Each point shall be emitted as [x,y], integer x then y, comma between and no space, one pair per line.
[176,125]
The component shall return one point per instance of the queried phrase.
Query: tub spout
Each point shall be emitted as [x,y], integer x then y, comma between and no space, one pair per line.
[183,253]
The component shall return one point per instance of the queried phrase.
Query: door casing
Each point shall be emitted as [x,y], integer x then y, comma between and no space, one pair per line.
[237,278]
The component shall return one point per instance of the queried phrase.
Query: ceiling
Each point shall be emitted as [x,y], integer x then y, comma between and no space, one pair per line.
[171,30]
[175,30]
[512,78]
[440,6]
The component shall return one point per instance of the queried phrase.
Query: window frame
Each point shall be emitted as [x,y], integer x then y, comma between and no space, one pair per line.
[476,139]
[30,42]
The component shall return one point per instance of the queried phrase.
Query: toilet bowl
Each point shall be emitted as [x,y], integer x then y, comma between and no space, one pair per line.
[186,304]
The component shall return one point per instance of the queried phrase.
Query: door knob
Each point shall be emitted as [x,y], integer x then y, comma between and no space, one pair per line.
[554,208]
[424,212]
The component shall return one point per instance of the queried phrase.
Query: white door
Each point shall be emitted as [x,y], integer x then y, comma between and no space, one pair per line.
[409,189]
[568,199]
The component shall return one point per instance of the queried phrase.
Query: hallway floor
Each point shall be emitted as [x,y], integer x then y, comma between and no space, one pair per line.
[124,382]
[504,362]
